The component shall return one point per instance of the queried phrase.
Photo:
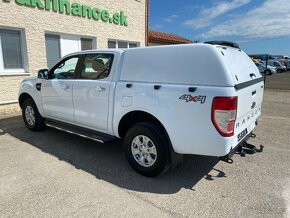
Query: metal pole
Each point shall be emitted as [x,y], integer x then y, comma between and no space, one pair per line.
[267,58]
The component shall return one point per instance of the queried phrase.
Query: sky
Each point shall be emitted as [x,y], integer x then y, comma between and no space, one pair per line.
[258,26]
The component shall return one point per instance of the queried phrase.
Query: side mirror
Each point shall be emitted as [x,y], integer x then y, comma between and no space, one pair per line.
[43,74]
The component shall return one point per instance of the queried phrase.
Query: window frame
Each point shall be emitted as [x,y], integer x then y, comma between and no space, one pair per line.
[63,36]
[117,43]
[46,36]
[77,69]
[83,58]
[16,71]
[86,39]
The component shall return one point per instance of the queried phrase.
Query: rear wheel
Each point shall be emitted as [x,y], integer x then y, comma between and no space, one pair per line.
[146,149]
[31,117]
[279,71]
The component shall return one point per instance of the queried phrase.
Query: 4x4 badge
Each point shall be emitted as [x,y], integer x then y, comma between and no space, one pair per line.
[190,98]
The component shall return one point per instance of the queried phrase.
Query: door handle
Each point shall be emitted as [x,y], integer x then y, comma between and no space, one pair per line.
[100,89]
[65,87]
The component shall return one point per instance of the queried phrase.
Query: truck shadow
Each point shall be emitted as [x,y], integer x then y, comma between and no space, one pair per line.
[107,161]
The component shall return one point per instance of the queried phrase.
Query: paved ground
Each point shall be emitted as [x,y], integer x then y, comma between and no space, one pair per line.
[280,81]
[54,174]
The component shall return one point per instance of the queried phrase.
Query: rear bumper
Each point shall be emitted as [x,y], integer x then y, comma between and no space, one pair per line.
[237,148]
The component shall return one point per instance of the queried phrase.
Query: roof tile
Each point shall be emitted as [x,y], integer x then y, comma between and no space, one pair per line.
[166,38]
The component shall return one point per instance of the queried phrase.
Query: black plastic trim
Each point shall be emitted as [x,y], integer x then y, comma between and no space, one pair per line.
[157,87]
[38,86]
[73,129]
[249,83]
[225,43]
[192,89]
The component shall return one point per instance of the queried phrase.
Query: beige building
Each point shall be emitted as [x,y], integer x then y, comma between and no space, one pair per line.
[34,34]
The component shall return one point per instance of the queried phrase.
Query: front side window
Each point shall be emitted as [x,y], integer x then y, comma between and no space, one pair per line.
[97,66]
[11,49]
[66,69]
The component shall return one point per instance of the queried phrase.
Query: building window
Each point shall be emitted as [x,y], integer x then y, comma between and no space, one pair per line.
[86,44]
[133,45]
[60,45]
[112,44]
[52,44]
[11,51]
[122,44]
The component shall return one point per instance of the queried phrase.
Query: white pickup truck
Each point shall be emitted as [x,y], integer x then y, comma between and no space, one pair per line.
[163,101]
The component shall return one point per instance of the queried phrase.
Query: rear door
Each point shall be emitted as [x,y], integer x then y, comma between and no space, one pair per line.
[91,91]
[249,84]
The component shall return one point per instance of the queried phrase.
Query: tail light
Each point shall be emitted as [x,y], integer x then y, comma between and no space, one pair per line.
[224,114]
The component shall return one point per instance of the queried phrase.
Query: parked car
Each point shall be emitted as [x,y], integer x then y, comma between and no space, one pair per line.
[262,68]
[263,57]
[283,59]
[162,101]
[274,63]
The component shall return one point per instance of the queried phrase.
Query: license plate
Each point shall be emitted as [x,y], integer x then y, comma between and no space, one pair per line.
[242,134]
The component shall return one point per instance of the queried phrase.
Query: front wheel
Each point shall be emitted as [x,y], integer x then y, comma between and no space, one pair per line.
[31,117]
[146,149]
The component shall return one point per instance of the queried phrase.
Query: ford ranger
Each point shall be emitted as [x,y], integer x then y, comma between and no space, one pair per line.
[162,101]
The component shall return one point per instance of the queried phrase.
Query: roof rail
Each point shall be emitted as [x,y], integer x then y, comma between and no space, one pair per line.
[225,43]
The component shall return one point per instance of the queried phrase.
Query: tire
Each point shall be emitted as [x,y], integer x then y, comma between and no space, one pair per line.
[146,149]
[268,72]
[279,71]
[31,117]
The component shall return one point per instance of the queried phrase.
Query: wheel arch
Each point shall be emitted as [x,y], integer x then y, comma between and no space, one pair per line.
[23,97]
[134,117]
[137,116]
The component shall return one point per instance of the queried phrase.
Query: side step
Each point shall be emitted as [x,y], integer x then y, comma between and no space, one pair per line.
[80,131]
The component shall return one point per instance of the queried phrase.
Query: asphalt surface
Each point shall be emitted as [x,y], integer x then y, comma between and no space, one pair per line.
[55,174]
[280,81]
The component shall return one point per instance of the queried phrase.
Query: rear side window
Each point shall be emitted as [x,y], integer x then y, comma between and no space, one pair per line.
[97,66]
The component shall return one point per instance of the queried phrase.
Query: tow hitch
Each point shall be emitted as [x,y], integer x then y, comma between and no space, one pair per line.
[247,148]
[243,148]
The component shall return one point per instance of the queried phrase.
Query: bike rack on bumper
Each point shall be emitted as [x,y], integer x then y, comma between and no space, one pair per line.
[243,148]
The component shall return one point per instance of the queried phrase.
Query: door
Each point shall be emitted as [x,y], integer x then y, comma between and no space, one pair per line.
[249,85]
[56,92]
[91,91]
